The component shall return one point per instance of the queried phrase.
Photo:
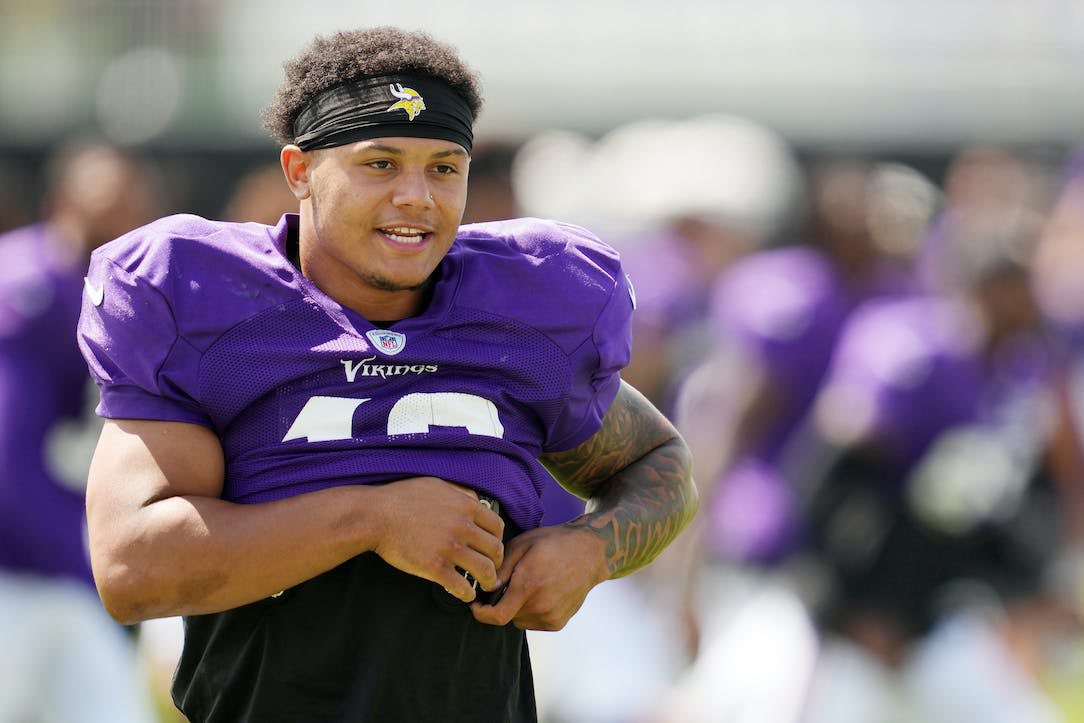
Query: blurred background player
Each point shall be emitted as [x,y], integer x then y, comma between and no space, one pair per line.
[62,658]
[776,315]
[261,196]
[492,195]
[725,187]
[13,206]
[728,186]
[938,514]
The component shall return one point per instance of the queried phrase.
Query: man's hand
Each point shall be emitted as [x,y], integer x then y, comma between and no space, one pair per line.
[430,527]
[549,571]
[635,474]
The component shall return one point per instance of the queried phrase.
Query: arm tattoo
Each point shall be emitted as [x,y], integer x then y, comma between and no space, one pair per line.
[636,473]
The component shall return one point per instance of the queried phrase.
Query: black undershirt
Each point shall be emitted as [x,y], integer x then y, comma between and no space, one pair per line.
[361,642]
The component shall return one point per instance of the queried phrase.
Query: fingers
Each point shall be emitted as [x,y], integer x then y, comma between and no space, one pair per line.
[506,609]
[492,548]
[515,594]
[442,532]
[485,537]
[485,516]
[476,566]
[456,585]
[489,521]
[460,570]
[529,606]
[473,556]
[513,553]
[548,579]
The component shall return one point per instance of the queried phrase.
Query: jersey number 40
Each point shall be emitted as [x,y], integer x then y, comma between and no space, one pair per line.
[329,418]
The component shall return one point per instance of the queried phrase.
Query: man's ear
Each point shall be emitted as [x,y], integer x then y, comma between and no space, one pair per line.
[296,165]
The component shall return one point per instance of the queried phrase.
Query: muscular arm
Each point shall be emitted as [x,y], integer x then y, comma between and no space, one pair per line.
[635,474]
[162,541]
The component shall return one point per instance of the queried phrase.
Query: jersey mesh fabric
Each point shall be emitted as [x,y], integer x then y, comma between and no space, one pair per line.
[518,352]
[474,352]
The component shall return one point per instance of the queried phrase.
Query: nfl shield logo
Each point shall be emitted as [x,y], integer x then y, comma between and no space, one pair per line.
[387,342]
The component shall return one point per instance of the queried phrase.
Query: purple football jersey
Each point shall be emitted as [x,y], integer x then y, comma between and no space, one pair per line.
[518,353]
[668,294]
[909,369]
[42,381]
[782,309]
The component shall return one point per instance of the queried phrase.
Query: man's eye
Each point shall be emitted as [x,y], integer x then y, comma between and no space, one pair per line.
[446,169]
[380,165]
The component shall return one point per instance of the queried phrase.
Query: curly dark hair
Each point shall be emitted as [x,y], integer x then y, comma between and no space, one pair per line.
[350,54]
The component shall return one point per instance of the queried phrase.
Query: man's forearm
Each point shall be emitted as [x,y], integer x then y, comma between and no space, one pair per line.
[636,473]
[190,555]
[643,508]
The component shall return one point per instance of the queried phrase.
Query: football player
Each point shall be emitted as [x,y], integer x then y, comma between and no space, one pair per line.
[325,440]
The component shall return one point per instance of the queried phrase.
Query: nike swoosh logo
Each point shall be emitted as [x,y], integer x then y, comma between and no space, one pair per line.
[96,294]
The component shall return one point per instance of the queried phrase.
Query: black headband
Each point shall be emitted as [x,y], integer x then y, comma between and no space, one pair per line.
[416,106]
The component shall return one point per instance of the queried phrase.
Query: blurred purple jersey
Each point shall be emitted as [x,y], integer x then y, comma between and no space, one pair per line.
[518,353]
[783,308]
[668,294]
[781,311]
[42,382]
[909,369]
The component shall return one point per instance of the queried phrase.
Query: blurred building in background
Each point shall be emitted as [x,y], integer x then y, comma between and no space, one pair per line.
[187,78]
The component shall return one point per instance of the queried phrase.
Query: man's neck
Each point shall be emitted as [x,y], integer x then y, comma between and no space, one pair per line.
[347,289]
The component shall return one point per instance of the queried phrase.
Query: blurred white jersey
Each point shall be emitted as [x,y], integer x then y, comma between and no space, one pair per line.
[63,659]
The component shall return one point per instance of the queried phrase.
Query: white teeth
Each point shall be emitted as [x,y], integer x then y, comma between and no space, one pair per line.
[404,234]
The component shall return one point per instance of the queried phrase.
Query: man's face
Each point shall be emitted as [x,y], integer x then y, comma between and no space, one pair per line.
[382,213]
[104,195]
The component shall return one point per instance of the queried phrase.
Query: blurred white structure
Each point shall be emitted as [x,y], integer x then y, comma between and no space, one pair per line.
[718,168]
[924,72]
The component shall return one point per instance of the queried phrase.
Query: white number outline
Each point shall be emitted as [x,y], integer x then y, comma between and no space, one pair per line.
[325,419]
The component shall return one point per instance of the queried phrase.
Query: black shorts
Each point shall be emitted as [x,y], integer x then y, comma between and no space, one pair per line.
[362,642]
[901,567]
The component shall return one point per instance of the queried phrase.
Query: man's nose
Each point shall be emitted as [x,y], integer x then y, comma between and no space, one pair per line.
[413,190]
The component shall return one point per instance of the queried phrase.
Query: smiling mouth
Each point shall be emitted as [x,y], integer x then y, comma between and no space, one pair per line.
[406,235]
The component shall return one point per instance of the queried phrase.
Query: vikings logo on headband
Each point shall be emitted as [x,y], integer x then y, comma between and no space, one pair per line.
[358,110]
[409,100]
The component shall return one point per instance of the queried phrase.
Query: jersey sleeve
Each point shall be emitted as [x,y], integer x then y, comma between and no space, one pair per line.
[596,364]
[129,338]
